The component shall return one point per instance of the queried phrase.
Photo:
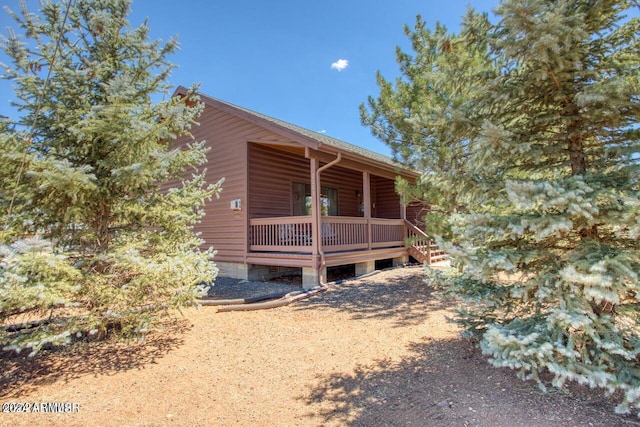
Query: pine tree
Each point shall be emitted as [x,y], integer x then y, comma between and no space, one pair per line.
[427,118]
[549,234]
[551,244]
[97,219]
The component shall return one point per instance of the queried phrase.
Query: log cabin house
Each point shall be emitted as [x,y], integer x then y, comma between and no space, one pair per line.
[297,200]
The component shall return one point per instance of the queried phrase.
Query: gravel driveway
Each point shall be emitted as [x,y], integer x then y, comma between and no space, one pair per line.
[375,351]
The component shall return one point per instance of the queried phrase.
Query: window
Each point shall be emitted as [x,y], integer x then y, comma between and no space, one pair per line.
[302,200]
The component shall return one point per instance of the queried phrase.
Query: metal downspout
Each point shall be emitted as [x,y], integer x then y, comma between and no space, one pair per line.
[319,216]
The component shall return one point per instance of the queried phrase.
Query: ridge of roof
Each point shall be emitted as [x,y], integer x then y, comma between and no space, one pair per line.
[317,136]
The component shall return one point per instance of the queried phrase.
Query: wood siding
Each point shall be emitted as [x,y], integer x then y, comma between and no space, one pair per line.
[415,214]
[272,173]
[387,202]
[259,167]
[226,136]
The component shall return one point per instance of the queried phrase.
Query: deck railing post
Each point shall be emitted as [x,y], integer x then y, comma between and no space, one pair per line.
[366,192]
[315,200]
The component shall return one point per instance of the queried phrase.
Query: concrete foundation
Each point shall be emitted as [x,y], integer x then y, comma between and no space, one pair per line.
[365,267]
[310,277]
[256,272]
[400,260]
[234,270]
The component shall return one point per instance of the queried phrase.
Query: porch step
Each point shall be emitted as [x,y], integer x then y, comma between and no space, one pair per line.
[438,255]
[420,254]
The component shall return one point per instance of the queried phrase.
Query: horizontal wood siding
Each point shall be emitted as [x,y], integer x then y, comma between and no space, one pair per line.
[272,173]
[415,214]
[347,182]
[226,136]
[386,200]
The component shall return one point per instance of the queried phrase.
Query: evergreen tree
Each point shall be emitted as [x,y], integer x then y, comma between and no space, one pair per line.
[97,221]
[427,117]
[549,237]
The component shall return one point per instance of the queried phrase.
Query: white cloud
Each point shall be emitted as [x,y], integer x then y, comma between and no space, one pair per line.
[340,64]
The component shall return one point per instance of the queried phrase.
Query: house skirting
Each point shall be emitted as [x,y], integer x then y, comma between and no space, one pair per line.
[257,272]
[266,266]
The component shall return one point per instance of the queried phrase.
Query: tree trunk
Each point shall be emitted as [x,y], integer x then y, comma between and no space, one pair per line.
[577,158]
[101,228]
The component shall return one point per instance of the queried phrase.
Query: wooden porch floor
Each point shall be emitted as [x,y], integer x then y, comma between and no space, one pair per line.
[288,241]
[290,259]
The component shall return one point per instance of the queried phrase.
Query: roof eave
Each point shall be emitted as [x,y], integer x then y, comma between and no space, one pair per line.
[302,139]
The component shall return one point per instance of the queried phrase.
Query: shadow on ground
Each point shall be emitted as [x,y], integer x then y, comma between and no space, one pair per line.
[20,375]
[448,383]
[405,299]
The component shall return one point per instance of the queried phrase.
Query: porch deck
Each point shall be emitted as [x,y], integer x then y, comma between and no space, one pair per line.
[288,241]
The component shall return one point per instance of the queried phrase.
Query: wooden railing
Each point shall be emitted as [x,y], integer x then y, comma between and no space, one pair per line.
[344,233]
[294,234]
[338,233]
[416,237]
[283,234]
[421,246]
[387,232]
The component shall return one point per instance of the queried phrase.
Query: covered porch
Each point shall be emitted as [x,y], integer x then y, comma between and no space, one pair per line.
[290,242]
[296,234]
[324,192]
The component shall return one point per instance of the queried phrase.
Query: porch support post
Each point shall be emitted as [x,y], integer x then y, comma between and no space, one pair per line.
[315,231]
[366,193]
[366,200]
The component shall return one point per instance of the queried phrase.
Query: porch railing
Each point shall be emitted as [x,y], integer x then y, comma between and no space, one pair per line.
[338,233]
[417,238]
[421,246]
[281,234]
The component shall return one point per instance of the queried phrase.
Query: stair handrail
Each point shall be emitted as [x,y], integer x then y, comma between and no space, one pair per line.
[415,229]
[411,228]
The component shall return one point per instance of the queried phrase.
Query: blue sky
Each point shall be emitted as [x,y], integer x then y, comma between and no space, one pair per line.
[276,57]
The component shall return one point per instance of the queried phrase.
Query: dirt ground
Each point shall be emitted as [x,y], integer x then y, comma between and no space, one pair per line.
[376,351]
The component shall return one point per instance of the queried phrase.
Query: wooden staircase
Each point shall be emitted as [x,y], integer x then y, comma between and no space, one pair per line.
[421,247]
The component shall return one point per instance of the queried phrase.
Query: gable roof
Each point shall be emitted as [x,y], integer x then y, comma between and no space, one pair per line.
[317,137]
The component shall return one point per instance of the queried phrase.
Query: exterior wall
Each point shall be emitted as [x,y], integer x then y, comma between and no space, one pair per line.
[415,214]
[386,200]
[349,185]
[272,173]
[226,135]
